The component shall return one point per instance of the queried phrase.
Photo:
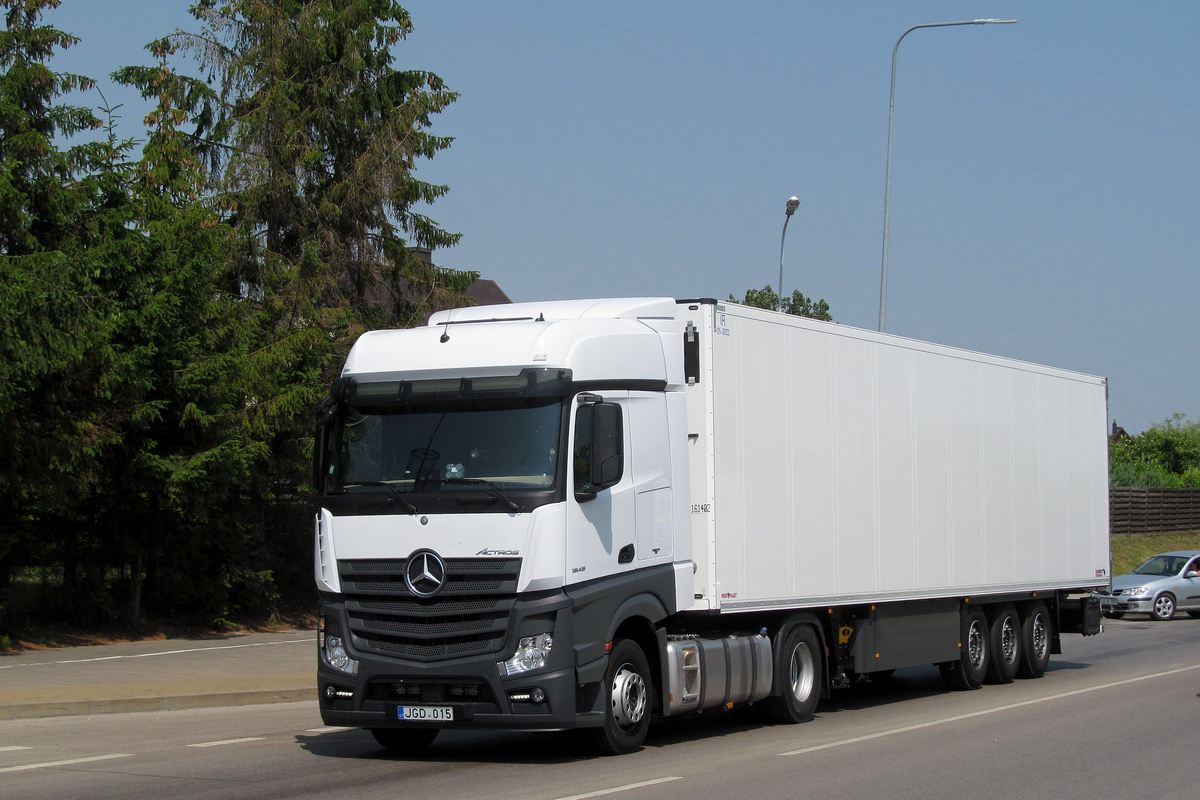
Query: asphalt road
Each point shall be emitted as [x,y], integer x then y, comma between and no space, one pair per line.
[1115,717]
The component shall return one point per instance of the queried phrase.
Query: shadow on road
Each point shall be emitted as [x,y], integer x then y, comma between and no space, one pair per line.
[508,747]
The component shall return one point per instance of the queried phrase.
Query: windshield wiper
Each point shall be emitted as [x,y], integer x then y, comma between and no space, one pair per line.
[396,494]
[495,490]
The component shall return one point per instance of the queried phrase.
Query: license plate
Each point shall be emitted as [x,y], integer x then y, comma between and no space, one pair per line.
[426,713]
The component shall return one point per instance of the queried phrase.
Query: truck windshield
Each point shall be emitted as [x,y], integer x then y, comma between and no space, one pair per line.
[489,448]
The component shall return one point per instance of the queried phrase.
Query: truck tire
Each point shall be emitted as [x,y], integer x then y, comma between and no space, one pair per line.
[1035,642]
[627,693]
[971,667]
[399,740]
[1006,645]
[799,669]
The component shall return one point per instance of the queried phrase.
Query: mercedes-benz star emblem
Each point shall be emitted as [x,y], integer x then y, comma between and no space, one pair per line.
[425,573]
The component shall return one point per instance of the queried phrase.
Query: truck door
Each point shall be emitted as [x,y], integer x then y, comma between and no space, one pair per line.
[631,524]
[599,524]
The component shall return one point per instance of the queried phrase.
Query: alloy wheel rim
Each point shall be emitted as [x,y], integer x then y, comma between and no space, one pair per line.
[628,697]
[975,645]
[802,672]
[1040,638]
[1008,640]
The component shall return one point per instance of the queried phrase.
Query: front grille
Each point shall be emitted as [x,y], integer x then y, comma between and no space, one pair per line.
[468,617]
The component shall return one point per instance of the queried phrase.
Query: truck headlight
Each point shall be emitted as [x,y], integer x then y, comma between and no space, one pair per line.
[336,656]
[531,654]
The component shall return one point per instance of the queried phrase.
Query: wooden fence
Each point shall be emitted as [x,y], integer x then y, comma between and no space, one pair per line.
[1135,510]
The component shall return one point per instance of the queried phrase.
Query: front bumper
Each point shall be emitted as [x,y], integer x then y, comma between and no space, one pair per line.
[1125,605]
[559,696]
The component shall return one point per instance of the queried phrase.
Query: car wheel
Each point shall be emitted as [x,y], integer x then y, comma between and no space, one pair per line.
[1164,607]
[800,672]
[971,667]
[627,704]
[1006,646]
[404,741]
[1035,642]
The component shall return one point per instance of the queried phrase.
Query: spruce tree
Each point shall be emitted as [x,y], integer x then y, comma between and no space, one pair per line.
[52,349]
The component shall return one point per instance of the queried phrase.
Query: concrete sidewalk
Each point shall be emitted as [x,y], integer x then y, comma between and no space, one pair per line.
[160,675]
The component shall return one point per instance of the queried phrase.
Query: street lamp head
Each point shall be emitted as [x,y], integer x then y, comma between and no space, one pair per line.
[792,205]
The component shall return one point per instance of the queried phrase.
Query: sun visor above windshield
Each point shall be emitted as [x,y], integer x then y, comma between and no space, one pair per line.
[593,349]
[560,310]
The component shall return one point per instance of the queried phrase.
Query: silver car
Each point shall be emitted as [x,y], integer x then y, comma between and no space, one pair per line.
[1166,583]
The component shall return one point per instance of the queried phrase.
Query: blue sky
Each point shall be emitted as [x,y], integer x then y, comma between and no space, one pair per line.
[1045,175]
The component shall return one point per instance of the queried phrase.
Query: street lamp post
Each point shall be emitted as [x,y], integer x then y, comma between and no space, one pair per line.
[792,205]
[887,196]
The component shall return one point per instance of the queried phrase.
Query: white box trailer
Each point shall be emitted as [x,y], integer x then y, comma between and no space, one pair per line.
[841,465]
[586,514]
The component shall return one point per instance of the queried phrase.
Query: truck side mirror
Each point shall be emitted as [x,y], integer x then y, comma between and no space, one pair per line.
[599,448]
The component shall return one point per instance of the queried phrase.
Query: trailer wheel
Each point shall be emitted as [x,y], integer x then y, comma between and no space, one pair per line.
[971,667]
[799,665]
[400,740]
[627,700]
[1035,642]
[1006,646]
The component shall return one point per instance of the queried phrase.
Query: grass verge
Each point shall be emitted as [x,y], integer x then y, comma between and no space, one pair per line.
[1128,551]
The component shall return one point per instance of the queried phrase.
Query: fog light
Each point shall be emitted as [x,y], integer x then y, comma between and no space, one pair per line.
[531,654]
[536,695]
[333,693]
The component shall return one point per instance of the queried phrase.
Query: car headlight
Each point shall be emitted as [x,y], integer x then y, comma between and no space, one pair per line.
[337,657]
[1138,591]
[531,654]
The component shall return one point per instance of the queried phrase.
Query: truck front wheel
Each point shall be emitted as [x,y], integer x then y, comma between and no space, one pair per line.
[627,690]
[800,673]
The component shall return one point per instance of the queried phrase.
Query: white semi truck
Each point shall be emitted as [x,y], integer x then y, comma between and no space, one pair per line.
[591,514]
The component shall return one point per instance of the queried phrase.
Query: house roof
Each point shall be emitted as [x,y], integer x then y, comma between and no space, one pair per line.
[487,293]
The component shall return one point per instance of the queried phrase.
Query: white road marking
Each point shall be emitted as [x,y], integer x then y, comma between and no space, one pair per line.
[616,789]
[10,747]
[309,640]
[329,729]
[229,741]
[66,763]
[986,711]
